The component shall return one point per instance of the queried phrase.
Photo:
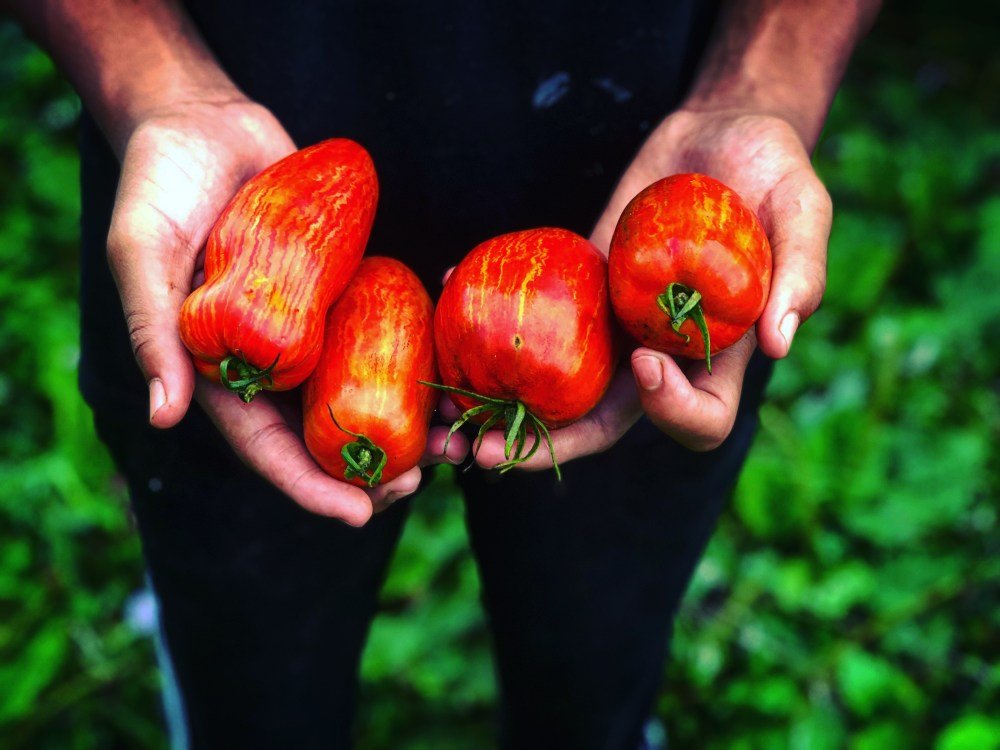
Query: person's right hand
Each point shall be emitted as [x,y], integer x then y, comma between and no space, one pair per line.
[180,167]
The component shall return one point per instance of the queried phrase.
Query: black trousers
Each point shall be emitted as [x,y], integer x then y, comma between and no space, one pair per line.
[265,606]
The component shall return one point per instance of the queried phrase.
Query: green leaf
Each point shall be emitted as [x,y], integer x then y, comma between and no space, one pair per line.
[821,729]
[973,732]
[33,671]
[868,682]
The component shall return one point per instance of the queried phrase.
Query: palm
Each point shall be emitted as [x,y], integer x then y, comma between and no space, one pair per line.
[179,170]
[763,159]
[757,156]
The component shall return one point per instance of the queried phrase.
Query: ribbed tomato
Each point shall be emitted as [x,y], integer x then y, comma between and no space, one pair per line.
[278,256]
[689,256]
[366,414]
[524,335]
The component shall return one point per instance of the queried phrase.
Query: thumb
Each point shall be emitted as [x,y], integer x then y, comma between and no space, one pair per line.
[798,215]
[153,271]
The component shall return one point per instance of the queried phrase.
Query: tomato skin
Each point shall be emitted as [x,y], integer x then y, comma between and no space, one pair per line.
[525,317]
[378,343]
[693,230]
[278,256]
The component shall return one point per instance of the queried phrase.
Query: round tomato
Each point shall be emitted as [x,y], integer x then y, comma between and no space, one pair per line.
[524,335]
[689,257]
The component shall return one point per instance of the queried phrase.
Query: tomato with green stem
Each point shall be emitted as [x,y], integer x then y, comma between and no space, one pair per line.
[366,415]
[689,267]
[278,256]
[525,338]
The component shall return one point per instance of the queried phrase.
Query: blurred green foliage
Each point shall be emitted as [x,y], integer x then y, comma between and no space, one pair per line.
[850,597]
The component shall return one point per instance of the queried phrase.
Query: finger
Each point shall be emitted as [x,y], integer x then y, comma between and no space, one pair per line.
[386,494]
[152,256]
[442,449]
[447,275]
[151,300]
[797,214]
[598,430]
[695,408]
[447,409]
[436,452]
[263,441]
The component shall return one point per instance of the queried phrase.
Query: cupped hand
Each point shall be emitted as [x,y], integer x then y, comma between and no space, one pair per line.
[764,159]
[180,167]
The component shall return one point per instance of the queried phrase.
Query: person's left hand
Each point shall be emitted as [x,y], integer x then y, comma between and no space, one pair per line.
[763,159]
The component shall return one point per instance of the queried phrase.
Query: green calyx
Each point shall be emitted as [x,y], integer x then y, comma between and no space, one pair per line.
[363,458]
[517,420]
[680,303]
[250,380]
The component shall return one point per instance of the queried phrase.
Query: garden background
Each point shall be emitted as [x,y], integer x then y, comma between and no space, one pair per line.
[850,597]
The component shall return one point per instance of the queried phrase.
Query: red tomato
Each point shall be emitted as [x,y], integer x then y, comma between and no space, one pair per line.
[689,256]
[366,415]
[524,335]
[278,256]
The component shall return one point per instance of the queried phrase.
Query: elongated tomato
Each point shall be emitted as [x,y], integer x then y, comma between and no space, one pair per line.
[524,335]
[366,414]
[278,256]
[688,256]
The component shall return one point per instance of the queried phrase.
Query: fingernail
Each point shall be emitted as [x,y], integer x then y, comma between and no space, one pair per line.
[648,371]
[789,324]
[157,397]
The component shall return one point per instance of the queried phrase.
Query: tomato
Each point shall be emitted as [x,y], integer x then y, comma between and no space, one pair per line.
[278,256]
[524,335]
[688,256]
[366,415]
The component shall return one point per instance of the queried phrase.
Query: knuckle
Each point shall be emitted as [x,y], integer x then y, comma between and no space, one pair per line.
[140,327]
[118,245]
[712,441]
[606,432]
[292,486]
[822,198]
[715,435]
[249,446]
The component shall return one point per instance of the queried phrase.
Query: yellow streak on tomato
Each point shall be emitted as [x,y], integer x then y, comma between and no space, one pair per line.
[484,284]
[537,263]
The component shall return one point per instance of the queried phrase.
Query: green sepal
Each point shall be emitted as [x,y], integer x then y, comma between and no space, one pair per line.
[680,302]
[360,455]
[517,419]
[251,381]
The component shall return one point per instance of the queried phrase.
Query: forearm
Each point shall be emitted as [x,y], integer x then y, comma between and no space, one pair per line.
[126,58]
[781,57]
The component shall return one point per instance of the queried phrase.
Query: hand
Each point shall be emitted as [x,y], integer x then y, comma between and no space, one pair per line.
[762,158]
[180,168]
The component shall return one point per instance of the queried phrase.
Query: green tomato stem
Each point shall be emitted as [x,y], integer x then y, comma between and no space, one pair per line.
[251,381]
[680,303]
[517,421]
[360,456]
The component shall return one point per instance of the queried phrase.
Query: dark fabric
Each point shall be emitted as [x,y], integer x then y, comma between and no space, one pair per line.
[482,118]
[264,606]
[582,578]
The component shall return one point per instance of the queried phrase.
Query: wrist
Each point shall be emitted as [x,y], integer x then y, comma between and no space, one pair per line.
[127,59]
[736,98]
[141,106]
[780,58]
